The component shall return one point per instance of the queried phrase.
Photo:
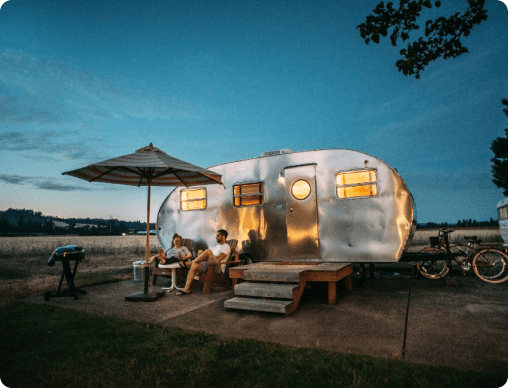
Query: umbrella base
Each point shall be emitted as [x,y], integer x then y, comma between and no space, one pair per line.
[142,297]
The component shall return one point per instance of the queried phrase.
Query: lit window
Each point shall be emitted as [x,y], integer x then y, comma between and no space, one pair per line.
[248,195]
[354,184]
[300,189]
[503,213]
[194,199]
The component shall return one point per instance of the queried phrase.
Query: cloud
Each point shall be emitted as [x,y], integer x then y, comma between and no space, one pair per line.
[50,145]
[42,183]
[50,92]
[16,110]
[13,179]
[57,184]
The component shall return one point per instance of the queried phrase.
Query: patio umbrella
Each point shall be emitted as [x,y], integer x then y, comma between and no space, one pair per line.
[148,166]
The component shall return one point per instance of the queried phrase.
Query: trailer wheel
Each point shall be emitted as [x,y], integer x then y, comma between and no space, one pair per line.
[47,295]
[246,259]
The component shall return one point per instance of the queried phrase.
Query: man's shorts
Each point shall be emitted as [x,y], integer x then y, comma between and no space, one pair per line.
[203,266]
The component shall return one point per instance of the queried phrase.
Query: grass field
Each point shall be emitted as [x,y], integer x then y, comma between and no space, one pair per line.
[44,346]
[94,245]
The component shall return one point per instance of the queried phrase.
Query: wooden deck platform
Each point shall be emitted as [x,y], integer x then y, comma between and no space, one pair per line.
[312,272]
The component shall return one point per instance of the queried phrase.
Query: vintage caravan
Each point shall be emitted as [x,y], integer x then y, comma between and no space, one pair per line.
[502,216]
[332,205]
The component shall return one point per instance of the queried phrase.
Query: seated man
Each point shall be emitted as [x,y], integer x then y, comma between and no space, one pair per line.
[219,253]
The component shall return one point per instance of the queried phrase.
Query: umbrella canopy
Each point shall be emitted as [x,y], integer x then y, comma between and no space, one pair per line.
[148,166]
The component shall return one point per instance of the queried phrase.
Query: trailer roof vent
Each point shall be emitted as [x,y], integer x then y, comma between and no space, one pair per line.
[278,152]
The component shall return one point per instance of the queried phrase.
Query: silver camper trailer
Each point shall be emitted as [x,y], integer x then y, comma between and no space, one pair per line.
[332,205]
[502,216]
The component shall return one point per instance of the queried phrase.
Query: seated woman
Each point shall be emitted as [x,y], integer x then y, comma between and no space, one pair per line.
[177,253]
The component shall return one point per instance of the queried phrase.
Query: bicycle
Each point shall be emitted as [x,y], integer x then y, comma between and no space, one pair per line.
[489,264]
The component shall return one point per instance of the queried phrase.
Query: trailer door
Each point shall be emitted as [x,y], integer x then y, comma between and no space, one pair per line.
[302,212]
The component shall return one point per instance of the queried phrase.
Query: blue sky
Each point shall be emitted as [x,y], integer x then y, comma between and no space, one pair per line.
[215,81]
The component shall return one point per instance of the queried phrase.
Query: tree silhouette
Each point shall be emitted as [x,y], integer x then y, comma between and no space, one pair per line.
[442,35]
[500,160]
[5,226]
[21,227]
[49,227]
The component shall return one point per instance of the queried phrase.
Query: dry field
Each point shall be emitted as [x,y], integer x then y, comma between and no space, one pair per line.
[486,234]
[24,270]
[94,245]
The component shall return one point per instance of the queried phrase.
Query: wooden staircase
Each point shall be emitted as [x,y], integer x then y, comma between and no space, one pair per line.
[269,290]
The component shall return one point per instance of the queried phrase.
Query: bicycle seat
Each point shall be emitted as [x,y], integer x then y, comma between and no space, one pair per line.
[445,231]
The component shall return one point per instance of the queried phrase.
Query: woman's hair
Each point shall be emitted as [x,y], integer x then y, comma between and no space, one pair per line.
[173,239]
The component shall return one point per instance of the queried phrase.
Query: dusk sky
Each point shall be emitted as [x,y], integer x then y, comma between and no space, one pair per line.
[211,82]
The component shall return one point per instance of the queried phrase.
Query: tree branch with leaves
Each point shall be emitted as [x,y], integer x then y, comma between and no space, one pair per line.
[500,160]
[442,35]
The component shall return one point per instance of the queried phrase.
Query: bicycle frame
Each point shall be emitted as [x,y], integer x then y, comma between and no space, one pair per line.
[471,249]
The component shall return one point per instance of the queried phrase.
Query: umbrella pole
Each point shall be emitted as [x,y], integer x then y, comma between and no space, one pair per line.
[145,296]
[147,250]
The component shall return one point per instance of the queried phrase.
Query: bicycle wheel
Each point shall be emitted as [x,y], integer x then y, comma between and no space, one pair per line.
[432,269]
[490,265]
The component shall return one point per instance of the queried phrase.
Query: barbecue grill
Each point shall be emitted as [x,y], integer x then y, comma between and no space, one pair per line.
[65,255]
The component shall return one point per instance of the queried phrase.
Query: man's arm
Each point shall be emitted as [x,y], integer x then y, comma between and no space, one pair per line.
[221,257]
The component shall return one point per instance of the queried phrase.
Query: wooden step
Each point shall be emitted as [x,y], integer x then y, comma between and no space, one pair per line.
[253,304]
[266,290]
[272,276]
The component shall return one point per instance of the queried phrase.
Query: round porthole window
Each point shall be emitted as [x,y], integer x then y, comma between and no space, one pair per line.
[300,189]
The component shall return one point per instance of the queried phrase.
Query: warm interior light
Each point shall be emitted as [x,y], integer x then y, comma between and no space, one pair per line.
[251,188]
[248,194]
[356,191]
[187,195]
[193,199]
[349,184]
[248,201]
[300,189]
[193,205]
[355,177]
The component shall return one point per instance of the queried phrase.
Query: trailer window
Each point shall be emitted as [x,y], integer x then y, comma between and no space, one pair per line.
[503,213]
[301,189]
[194,199]
[353,184]
[248,194]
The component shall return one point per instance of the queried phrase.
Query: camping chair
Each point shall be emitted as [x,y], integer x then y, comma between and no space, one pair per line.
[189,243]
[220,275]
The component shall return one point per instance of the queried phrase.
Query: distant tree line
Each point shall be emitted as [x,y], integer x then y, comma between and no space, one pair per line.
[23,221]
[460,224]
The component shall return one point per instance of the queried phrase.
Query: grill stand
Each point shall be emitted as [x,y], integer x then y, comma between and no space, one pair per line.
[69,277]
